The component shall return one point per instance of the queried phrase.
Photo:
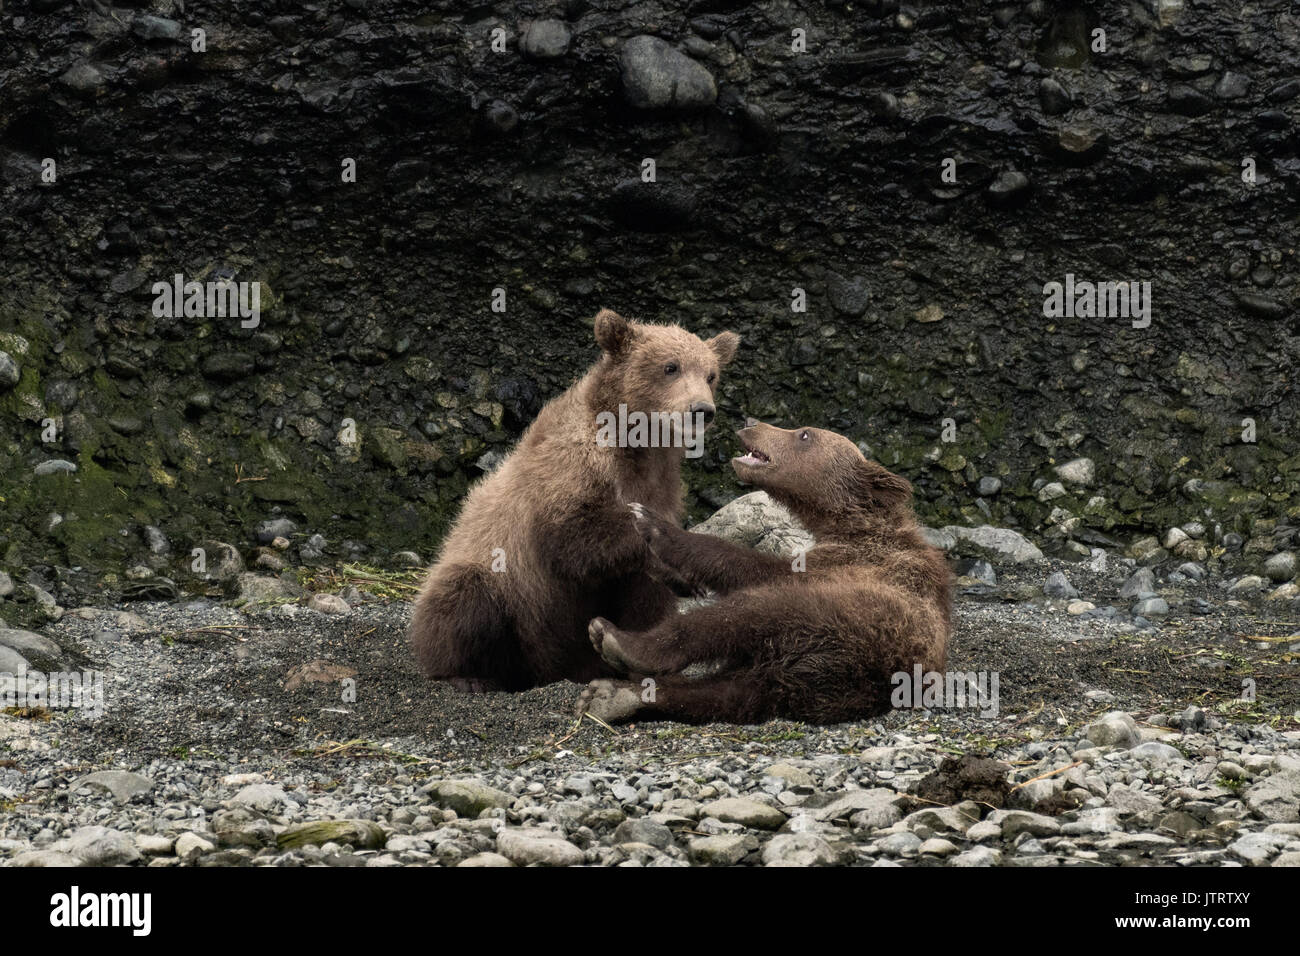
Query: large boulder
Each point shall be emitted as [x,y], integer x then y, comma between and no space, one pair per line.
[998,545]
[757,521]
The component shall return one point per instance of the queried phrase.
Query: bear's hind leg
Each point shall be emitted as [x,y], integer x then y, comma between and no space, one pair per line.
[608,641]
[726,632]
[460,632]
[609,700]
[736,698]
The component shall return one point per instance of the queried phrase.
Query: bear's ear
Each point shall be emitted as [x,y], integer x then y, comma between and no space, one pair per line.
[881,488]
[613,332]
[724,346]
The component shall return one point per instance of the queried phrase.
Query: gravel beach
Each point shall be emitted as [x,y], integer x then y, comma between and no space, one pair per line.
[274,734]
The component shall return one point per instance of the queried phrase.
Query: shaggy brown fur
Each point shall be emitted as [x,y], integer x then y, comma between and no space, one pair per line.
[817,645]
[546,542]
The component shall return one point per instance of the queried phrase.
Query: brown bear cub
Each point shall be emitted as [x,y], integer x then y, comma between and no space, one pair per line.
[816,639]
[545,543]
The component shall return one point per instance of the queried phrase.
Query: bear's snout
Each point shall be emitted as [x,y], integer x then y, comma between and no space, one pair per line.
[706,409]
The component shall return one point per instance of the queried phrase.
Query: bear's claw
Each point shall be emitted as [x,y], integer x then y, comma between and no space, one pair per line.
[646,521]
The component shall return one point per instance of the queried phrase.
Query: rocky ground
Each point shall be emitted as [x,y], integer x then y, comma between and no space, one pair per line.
[294,731]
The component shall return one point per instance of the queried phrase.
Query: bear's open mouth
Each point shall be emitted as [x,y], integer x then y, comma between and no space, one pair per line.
[753,456]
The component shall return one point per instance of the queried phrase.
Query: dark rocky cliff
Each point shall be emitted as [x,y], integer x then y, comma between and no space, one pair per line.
[520,170]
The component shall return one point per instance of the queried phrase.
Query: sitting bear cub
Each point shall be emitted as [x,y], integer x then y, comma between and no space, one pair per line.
[816,639]
[545,542]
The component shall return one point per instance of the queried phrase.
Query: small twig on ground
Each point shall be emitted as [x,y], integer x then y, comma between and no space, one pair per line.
[596,719]
[1050,773]
[572,731]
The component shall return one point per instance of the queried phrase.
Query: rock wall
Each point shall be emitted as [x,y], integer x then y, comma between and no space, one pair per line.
[1111,157]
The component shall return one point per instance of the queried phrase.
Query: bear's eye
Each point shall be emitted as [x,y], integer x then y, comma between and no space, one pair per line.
[803,436]
[713,377]
[670,368]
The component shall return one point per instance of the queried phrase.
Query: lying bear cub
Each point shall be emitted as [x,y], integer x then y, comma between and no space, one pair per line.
[819,644]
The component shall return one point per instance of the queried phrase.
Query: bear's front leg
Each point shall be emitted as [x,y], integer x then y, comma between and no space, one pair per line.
[592,543]
[705,562]
[671,578]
